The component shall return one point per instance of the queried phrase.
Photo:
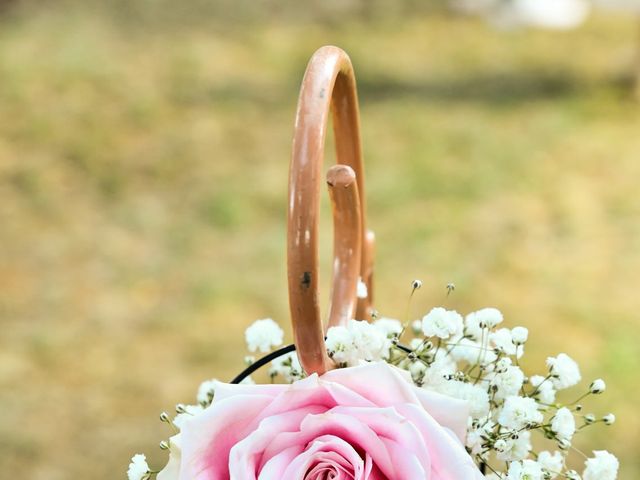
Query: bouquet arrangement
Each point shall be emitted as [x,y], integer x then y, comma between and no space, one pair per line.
[453,403]
[439,398]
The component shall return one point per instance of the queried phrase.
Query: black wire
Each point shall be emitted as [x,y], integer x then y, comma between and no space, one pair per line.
[263,361]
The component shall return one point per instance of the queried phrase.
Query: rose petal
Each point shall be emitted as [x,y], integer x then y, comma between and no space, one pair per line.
[172,470]
[449,459]
[224,390]
[392,428]
[380,383]
[208,438]
[449,412]
[274,469]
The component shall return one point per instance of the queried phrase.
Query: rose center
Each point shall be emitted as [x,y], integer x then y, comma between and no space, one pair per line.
[327,471]
[329,466]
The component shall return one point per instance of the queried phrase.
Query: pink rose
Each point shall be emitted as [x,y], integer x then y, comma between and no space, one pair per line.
[365,422]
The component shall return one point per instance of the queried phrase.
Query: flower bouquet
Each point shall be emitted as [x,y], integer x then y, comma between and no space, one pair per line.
[438,398]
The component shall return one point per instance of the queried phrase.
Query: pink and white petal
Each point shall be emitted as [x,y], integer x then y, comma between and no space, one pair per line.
[381,383]
[449,412]
[172,470]
[224,390]
[274,468]
[449,458]
[314,391]
[208,437]
[407,465]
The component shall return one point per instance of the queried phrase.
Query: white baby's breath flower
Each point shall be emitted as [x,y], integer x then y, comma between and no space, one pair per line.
[589,418]
[442,323]
[340,345]
[525,470]
[609,419]
[502,339]
[564,444]
[417,370]
[288,367]
[206,391]
[519,335]
[518,412]
[249,360]
[572,475]
[441,367]
[390,326]
[478,433]
[466,350]
[486,318]
[565,371]
[603,466]
[358,341]
[500,445]
[507,383]
[363,292]
[371,342]
[474,441]
[138,468]
[438,372]
[545,391]
[517,448]
[503,364]
[597,386]
[563,424]
[551,462]
[263,334]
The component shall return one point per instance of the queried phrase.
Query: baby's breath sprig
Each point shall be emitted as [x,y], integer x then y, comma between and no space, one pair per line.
[474,358]
[139,468]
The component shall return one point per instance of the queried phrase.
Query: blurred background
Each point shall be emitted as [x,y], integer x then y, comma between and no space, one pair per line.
[144,149]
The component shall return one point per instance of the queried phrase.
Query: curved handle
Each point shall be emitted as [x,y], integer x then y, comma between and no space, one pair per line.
[328,83]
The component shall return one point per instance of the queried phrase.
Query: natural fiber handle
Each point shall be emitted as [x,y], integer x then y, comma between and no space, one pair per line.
[328,84]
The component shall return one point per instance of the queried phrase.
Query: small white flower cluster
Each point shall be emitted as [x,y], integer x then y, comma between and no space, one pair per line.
[263,335]
[361,341]
[288,367]
[474,358]
[138,468]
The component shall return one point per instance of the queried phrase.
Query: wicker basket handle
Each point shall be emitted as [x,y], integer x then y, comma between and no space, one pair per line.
[328,84]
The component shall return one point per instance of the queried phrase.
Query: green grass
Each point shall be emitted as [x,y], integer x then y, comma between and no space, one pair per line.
[142,212]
